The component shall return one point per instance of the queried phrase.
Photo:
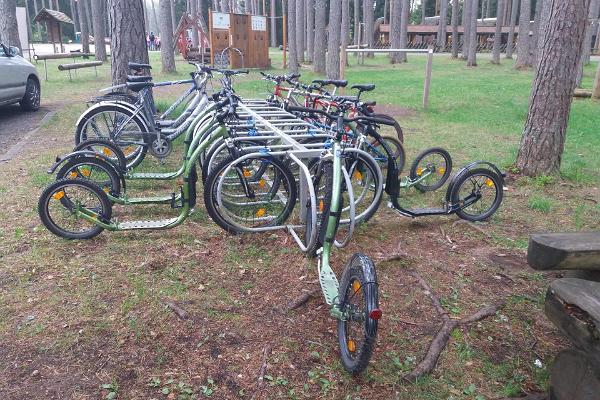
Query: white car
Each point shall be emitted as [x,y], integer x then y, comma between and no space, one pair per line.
[19,81]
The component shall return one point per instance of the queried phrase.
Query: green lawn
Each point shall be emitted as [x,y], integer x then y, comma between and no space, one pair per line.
[78,315]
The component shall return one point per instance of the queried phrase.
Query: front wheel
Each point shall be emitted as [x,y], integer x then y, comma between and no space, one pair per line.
[359,302]
[432,168]
[60,204]
[481,190]
[31,99]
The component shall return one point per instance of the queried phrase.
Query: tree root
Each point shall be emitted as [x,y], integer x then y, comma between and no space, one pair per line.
[439,342]
[180,312]
[302,299]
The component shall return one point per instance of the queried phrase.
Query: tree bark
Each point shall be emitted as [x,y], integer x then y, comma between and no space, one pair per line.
[194,13]
[472,55]
[441,33]
[88,15]
[524,56]
[333,39]
[73,15]
[345,28]
[99,35]
[423,5]
[273,23]
[395,29]
[514,13]
[155,18]
[9,30]
[466,28]
[173,15]
[587,42]
[300,31]
[369,23]
[291,39]
[128,39]
[404,14]
[167,54]
[356,21]
[455,39]
[498,32]
[543,138]
[310,29]
[320,36]
[539,6]
[85,34]
[596,89]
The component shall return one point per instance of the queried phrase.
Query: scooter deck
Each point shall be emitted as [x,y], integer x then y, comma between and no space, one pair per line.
[152,175]
[163,223]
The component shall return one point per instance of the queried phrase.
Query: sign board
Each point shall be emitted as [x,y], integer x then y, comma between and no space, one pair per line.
[259,23]
[220,20]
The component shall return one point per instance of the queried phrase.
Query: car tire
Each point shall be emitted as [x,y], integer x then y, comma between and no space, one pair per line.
[31,99]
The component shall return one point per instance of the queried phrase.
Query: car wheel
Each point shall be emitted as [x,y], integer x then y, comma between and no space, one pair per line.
[31,99]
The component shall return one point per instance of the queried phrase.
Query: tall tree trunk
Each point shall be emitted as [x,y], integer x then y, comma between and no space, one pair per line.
[395,29]
[85,34]
[423,9]
[146,18]
[248,7]
[127,33]
[386,15]
[194,13]
[99,35]
[38,27]
[74,16]
[88,15]
[291,39]
[587,42]
[28,19]
[472,57]
[345,28]
[201,17]
[300,31]
[596,89]
[273,23]
[524,56]
[404,21]
[539,5]
[369,24]
[543,138]
[466,28]
[498,32]
[9,30]
[333,39]
[155,18]
[173,16]
[455,39]
[320,36]
[310,29]
[356,21]
[514,13]
[167,54]
[441,33]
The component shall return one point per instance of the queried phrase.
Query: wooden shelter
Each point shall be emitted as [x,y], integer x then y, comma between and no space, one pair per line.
[53,20]
[239,40]
[181,39]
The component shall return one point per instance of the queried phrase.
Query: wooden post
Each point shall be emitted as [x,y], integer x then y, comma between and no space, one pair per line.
[596,90]
[343,59]
[284,40]
[427,79]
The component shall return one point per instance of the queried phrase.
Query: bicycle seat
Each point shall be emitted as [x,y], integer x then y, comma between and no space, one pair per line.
[364,88]
[335,82]
[133,65]
[341,99]
[137,86]
[140,78]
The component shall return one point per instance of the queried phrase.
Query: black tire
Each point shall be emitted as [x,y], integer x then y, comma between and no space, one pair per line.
[66,189]
[107,148]
[358,297]
[92,169]
[88,128]
[435,160]
[396,126]
[477,182]
[32,96]
[378,152]
[281,185]
[363,175]
[322,177]
[210,161]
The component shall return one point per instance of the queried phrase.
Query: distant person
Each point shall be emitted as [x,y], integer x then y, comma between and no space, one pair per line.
[147,41]
[152,39]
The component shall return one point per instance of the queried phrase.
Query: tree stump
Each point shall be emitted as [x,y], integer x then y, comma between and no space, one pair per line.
[570,251]
[574,377]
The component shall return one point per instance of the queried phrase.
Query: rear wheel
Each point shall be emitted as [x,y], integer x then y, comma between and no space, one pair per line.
[359,301]
[59,202]
[433,167]
[483,188]
[31,98]
[322,177]
[95,170]
[396,126]
[106,148]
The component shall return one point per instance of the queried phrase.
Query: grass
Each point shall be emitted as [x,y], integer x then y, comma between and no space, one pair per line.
[91,316]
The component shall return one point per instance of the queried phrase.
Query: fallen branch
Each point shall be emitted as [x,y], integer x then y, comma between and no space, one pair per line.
[443,232]
[180,312]
[439,342]
[302,299]
[582,93]
[261,373]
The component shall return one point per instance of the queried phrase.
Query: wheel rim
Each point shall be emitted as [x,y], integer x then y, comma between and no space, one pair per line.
[61,205]
[35,95]
[93,173]
[432,167]
[356,310]
[482,186]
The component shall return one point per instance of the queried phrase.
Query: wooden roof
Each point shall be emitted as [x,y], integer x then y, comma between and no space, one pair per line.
[52,15]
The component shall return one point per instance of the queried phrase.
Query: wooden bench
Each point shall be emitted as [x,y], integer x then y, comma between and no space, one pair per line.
[573,306]
[59,56]
[75,66]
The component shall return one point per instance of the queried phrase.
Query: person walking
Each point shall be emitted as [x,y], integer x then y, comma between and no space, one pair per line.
[152,38]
